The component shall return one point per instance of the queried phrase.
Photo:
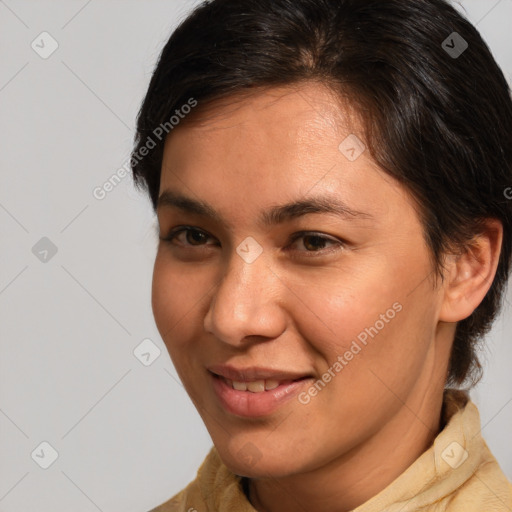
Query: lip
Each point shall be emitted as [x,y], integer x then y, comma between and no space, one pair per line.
[251,373]
[250,405]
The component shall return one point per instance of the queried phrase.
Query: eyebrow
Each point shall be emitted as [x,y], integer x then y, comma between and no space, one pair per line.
[273,216]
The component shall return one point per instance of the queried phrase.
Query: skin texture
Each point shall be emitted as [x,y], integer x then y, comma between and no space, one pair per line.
[297,307]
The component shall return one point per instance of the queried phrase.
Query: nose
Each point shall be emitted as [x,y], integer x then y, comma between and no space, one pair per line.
[247,303]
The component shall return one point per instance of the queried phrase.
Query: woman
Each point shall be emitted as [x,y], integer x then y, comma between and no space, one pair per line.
[330,183]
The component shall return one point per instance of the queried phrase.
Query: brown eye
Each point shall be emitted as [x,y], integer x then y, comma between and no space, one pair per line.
[193,236]
[315,244]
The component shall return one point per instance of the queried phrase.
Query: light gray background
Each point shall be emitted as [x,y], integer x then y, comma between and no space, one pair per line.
[127,435]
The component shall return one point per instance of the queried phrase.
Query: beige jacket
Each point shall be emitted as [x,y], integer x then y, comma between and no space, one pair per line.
[457,473]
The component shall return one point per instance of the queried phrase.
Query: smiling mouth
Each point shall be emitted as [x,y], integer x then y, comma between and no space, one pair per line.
[257,386]
[257,397]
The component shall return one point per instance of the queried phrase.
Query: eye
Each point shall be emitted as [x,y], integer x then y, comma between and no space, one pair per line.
[315,243]
[193,236]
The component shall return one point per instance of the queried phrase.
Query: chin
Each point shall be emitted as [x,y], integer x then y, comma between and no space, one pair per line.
[249,460]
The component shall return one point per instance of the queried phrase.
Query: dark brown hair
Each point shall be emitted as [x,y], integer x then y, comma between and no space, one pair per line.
[436,108]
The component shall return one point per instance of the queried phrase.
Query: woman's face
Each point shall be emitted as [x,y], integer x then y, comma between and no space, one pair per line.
[342,300]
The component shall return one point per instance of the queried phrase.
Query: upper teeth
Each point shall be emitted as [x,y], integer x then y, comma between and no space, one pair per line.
[255,386]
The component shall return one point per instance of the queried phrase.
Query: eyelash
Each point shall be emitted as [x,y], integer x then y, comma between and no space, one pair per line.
[296,236]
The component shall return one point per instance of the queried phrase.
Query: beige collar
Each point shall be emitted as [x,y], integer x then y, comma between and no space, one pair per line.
[457,473]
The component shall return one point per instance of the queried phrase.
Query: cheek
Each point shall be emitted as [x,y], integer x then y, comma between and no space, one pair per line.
[371,320]
[336,309]
[175,299]
[163,296]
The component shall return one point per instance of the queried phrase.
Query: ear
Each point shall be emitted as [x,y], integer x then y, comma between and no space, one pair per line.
[470,274]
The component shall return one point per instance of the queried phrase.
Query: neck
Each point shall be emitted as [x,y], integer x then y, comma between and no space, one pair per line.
[355,477]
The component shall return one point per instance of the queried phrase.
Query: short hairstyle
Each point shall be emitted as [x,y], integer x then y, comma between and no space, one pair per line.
[436,109]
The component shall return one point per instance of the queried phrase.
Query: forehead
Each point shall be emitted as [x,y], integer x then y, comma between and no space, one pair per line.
[307,101]
[283,143]
[296,128]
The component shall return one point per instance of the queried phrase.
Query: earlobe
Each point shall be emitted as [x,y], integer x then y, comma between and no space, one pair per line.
[471,273]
